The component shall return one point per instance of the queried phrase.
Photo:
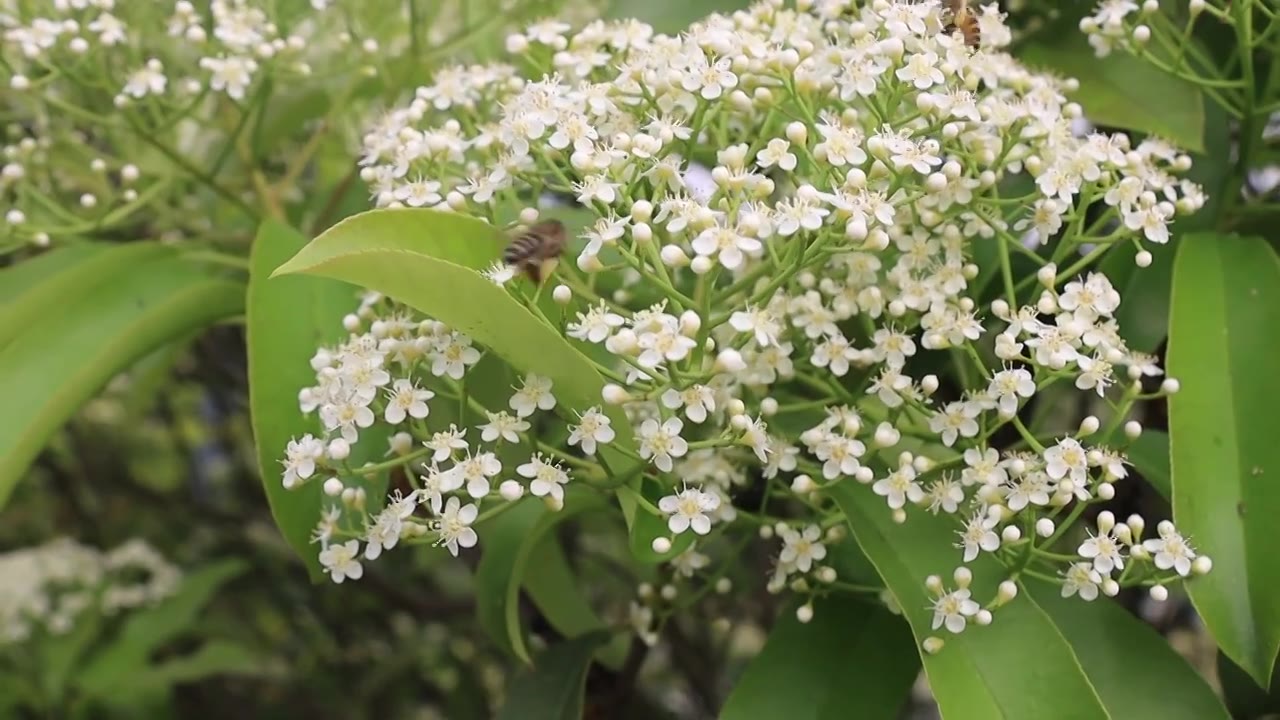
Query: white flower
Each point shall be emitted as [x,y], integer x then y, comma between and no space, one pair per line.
[689,562]
[663,344]
[232,74]
[592,428]
[1104,550]
[802,549]
[535,394]
[688,509]
[978,534]
[1170,550]
[726,244]
[1083,579]
[709,79]
[346,416]
[899,487]
[384,532]
[502,425]
[149,80]
[341,561]
[453,356]
[762,322]
[499,273]
[406,398]
[662,442]
[697,400]
[1067,459]
[446,442]
[945,494]
[983,467]
[455,526]
[1009,385]
[955,419]
[596,325]
[547,477]
[776,153]
[300,459]
[951,609]
[474,471]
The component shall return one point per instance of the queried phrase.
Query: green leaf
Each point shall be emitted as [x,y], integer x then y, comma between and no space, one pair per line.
[35,287]
[1226,461]
[147,630]
[510,542]
[430,260]
[60,655]
[215,657]
[287,320]
[985,672]
[854,659]
[672,16]
[1123,91]
[58,360]
[1150,455]
[553,688]
[1242,695]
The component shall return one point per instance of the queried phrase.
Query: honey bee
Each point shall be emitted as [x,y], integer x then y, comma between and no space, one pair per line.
[964,20]
[534,250]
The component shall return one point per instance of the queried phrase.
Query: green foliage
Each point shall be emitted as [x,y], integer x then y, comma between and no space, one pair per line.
[83,319]
[1226,308]
[853,659]
[1076,646]
[1122,91]
[511,551]
[552,689]
[287,319]
[1150,455]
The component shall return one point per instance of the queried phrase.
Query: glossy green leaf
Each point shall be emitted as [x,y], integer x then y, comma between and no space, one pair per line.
[1150,456]
[58,361]
[430,260]
[985,672]
[215,657]
[855,659]
[552,689]
[58,278]
[1242,695]
[510,542]
[1123,91]
[672,16]
[147,630]
[22,276]
[287,319]
[1226,462]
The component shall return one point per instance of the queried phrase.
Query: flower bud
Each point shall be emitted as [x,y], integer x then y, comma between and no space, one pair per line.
[400,443]
[562,294]
[1143,259]
[1007,591]
[983,617]
[933,644]
[765,532]
[668,592]
[690,323]
[1136,524]
[963,576]
[768,407]
[798,133]
[1110,587]
[1088,426]
[641,232]
[802,485]
[350,322]
[701,265]
[1106,491]
[1170,386]
[1202,565]
[804,613]
[1159,593]
[886,435]
[1044,527]
[864,475]
[614,394]
[1011,534]
[929,384]
[510,490]
[933,584]
[338,449]
[1048,275]
[899,516]
[673,256]
[1142,34]
[731,361]
[724,585]
[661,545]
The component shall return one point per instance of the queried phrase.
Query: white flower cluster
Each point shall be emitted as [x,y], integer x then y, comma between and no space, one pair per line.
[48,586]
[186,85]
[776,322]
